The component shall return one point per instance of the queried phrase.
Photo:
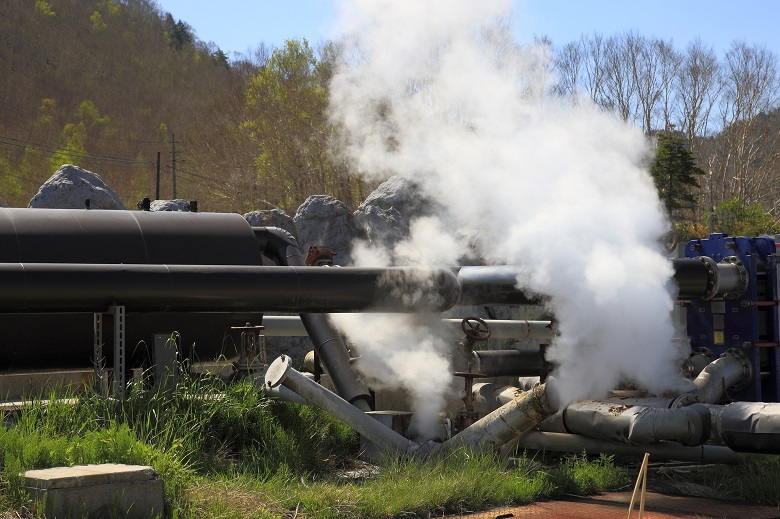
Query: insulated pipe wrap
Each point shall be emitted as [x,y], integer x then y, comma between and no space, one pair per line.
[638,425]
[492,431]
[750,427]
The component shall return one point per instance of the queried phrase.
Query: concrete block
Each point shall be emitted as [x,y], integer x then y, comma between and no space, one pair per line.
[107,490]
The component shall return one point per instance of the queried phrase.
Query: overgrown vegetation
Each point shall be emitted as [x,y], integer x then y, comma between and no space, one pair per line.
[226,451]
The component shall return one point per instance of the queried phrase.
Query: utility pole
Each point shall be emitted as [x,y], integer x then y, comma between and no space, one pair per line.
[173,162]
[157,191]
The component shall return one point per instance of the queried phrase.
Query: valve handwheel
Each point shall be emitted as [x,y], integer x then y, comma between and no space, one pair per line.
[475,328]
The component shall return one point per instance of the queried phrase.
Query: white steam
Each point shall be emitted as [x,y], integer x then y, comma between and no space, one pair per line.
[439,92]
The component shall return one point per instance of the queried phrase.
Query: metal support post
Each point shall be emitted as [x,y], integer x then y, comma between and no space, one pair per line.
[97,353]
[118,311]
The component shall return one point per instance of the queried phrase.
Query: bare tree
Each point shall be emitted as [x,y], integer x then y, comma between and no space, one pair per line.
[569,62]
[750,90]
[621,55]
[698,89]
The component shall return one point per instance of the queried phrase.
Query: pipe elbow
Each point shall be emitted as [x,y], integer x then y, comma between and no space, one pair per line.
[281,245]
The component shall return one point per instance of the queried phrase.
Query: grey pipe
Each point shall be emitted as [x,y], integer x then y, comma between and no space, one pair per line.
[638,425]
[731,370]
[291,326]
[281,372]
[749,426]
[495,429]
[488,396]
[561,442]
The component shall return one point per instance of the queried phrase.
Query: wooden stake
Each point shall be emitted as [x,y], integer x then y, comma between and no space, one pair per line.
[640,480]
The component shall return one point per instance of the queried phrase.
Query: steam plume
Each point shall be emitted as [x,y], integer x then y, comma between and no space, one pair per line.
[439,91]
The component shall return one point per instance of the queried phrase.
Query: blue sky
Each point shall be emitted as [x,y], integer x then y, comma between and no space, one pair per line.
[240,25]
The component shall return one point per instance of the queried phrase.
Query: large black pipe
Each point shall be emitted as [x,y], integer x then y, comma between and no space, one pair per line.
[58,287]
[167,237]
[696,278]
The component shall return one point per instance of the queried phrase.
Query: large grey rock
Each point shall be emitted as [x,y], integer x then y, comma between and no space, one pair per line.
[384,226]
[70,186]
[177,204]
[402,194]
[387,211]
[272,218]
[3,204]
[324,220]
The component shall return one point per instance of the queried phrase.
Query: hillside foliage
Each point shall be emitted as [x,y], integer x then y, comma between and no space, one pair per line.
[109,84]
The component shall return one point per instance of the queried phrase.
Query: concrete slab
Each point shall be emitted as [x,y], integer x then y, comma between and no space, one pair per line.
[132,491]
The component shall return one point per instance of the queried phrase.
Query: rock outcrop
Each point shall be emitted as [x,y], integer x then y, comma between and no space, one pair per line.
[71,186]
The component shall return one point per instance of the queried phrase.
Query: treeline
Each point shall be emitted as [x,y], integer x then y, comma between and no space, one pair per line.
[107,84]
[725,107]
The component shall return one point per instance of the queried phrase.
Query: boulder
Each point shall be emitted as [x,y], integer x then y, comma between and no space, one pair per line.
[177,204]
[324,220]
[272,218]
[3,204]
[388,210]
[71,186]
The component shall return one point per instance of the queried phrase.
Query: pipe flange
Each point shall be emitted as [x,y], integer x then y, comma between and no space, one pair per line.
[747,368]
[704,351]
[742,275]
[712,276]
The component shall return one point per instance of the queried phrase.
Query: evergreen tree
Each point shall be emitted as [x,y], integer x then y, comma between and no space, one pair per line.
[675,172]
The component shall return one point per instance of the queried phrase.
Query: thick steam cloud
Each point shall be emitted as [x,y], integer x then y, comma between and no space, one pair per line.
[440,92]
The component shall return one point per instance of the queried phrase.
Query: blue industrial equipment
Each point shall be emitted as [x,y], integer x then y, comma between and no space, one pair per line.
[745,322]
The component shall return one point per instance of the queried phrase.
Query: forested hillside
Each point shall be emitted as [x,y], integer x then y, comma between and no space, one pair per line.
[107,84]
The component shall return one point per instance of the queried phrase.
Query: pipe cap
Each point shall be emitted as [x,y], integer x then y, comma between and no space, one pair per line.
[278,370]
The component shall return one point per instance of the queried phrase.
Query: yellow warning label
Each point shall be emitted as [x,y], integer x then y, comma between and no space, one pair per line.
[718,338]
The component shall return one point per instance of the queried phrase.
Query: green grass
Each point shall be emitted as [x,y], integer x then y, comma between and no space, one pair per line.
[226,451]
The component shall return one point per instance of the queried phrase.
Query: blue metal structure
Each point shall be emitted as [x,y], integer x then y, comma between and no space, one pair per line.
[747,322]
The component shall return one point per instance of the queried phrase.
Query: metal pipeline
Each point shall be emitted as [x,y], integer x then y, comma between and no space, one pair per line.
[638,425]
[732,370]
[696,278]
[507,363]
[325,337]
[561,442]
[508,421]
[291,326]
[749,426]
[59,287]
[488,396]
[281,372]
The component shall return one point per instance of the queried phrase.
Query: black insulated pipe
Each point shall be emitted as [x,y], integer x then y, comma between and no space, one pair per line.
[58,287]
[696,278]
[508,363]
